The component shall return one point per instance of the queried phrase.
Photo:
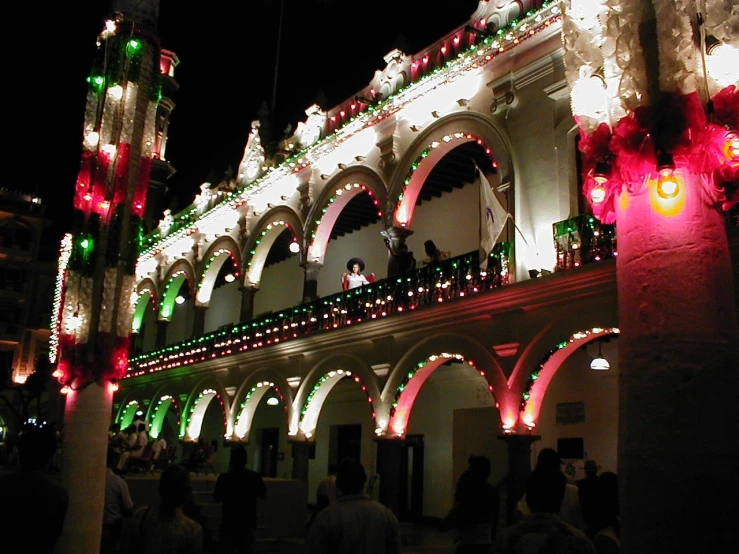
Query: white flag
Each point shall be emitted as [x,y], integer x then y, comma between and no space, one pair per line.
[493,217]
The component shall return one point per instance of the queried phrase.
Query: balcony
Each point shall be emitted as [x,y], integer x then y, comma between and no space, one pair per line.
[579,241]
[428,286]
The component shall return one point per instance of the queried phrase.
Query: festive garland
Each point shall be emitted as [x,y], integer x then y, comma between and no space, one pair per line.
[678,126]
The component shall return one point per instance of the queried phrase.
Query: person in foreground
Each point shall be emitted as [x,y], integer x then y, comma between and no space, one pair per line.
[165,528]
[354,524]
[238,489]
[543,532]
[33,507]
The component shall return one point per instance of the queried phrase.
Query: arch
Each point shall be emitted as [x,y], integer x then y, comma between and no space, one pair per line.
[158,412]
[253,390]
[146,293]
[223,248]
[431,146]
[337,193]
[416,366]
[197,404]
[127,413]
[261,239]
[535,389]
[180,272]
[319,382]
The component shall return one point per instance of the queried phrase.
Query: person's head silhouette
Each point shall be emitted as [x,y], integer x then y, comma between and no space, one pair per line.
[237,461]
[174,486]
[36,447]
[350,477]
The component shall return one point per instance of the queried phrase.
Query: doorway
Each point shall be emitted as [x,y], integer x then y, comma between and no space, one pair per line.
[269,442]
[345,441]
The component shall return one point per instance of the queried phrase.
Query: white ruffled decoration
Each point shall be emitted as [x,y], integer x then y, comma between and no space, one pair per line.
[678,55]
[625,68]
[147,148]
[129,113]
[76,314]
[722,20]
[126,306]
[108,301]
[581,31]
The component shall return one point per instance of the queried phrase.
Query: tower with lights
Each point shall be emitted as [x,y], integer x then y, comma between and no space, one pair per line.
[92,332]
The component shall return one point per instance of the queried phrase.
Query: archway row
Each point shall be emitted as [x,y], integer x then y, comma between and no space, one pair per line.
[395,204]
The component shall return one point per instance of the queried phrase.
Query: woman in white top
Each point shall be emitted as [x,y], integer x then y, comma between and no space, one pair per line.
[354,278]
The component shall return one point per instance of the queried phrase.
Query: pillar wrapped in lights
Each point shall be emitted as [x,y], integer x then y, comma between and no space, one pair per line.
[658,115]
[96,300]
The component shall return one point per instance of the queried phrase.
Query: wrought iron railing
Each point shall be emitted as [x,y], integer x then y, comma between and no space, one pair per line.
[582,240]
[429,285]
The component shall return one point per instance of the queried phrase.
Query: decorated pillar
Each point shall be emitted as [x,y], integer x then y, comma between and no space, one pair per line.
[310,284]
[94,324]
[302,452]
[519,469]
[247,302]
[394,237]
[654,92]
[389,463]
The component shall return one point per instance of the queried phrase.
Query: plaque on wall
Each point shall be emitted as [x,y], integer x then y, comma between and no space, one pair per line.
[570,412]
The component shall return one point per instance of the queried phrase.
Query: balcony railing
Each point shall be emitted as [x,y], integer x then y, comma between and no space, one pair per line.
[430,285]
[582,240]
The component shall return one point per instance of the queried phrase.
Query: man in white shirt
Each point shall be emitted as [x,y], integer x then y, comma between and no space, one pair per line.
[354,524]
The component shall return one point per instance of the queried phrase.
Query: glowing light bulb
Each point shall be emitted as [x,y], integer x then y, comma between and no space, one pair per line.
[722,63]
[598,193]
[294,247]
[667,186]
[179,299]
[732,145]
[229,278]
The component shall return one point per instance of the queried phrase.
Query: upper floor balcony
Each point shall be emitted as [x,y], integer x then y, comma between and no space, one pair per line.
[579,241]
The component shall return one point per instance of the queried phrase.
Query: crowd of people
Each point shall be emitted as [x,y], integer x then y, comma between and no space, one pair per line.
[554,516]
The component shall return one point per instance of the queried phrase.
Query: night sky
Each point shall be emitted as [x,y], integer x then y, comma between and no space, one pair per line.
[227,51]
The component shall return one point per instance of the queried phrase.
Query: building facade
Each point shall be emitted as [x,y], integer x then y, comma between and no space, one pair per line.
[27,273]
[243,332]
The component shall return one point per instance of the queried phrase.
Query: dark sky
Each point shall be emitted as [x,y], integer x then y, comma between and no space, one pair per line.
[227,52]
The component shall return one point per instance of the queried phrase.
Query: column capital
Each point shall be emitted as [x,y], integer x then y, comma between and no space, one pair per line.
[396,233]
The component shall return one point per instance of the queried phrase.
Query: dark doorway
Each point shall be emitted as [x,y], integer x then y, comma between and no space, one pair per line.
[345,441]
[269,443]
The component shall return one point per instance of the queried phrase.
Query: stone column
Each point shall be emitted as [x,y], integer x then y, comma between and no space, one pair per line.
[310,284]
[247,302]
[198,321]
[389,467]
[161,339]
[679,360]
[519,469]
[86,419]
[394,237]
[302,452]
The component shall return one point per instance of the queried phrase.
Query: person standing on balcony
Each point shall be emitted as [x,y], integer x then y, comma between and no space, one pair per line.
[354,278]
[433,254]
[402,260]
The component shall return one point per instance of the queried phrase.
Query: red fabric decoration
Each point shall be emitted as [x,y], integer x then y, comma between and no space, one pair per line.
[679,126]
